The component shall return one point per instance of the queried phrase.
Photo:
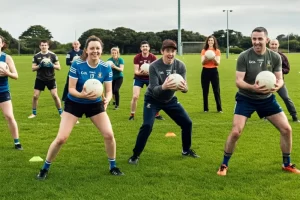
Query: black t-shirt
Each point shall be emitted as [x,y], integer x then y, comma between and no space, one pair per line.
[45,73]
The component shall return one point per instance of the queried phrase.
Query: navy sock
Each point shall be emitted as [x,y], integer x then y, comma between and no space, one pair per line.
[16,141]
[47,165]
[34,111]
[226,158]
[59,111]
[286,159]
[112,163]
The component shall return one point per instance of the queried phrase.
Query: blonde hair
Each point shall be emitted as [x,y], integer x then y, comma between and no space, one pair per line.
[116,49]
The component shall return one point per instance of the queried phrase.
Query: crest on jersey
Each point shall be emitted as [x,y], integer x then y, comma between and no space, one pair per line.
[100,75]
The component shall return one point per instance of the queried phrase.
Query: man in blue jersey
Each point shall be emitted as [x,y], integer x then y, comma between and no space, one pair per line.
[80,102]
[160,95]
[45,63]
[72,55]
[8,69]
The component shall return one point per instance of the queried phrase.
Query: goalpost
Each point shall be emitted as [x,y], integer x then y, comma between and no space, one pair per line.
[192,47]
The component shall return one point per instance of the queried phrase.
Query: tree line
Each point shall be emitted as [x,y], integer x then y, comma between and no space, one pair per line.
[128,40]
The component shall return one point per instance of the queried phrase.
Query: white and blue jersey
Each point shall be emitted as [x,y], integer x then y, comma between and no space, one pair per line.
[4,87]
[82,71]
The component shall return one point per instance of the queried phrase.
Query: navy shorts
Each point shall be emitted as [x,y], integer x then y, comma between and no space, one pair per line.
[140,82]
[264,107]
[40,85]
[4,96]
[78,109]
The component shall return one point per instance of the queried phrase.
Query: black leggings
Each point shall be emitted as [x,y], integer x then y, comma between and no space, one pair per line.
[116,85]
[211,75]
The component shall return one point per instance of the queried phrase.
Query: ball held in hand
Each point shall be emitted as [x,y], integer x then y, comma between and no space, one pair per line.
[94,85]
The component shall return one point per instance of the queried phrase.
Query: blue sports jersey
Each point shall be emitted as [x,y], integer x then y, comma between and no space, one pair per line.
[82,71]
[3,80]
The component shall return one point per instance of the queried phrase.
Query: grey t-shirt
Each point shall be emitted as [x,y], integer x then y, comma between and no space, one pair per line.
[252,64]
[158,72]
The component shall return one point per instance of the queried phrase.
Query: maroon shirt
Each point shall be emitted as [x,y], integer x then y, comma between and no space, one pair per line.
[285,63]
[139,60]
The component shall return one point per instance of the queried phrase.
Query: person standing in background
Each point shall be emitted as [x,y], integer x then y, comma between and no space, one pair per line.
[117,69]
[210,73]
[283,92]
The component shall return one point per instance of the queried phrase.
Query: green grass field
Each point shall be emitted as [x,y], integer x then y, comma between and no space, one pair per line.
[81,169]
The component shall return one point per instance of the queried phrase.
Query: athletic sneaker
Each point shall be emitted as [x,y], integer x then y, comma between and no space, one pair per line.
[131,117]
[18,147]
[159,117]
[291,168]
[222,170]
[133,160]
[77,122]
[116,172]
[191,153]
[31,116]
[42,174]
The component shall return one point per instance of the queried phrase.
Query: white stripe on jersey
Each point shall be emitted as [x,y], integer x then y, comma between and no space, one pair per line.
[73,70]
[72,77]
[104,63]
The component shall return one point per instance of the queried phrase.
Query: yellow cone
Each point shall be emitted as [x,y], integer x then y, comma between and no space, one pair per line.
[170,134]
[36,159]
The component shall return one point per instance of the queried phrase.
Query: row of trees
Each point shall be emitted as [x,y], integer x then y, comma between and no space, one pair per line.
[129,40]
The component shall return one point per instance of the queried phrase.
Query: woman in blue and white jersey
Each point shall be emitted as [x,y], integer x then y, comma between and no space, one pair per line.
[80,102]
[5,98]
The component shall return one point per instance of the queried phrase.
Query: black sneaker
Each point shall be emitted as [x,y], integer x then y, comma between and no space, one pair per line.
[18,147]
[114,103]
[159,117]
[42,174]
[116,107]
[295,119]
[131,117]
[133,160]
[191,153]
[116,172]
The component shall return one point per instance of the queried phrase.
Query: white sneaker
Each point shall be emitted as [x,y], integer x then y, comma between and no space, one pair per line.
[31,116]
[77,122]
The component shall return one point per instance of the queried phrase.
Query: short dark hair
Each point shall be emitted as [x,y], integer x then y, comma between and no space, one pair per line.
[44,41]
[260,29]
[144,42]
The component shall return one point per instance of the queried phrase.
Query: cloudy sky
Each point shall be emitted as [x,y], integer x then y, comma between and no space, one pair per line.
[69,18]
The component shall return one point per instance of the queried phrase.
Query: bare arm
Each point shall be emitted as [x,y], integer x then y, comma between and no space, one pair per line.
[139,72]
[240,83]
[56,65]
[72,88]
[12,72]
[121,68]
[34,67]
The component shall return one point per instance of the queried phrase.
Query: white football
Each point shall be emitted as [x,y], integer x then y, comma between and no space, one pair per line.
[76,58]
[109,62]
[266,78]
[46,60]
[177,78]
[145,67]
[210,54]
[94,85]
[3,65]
